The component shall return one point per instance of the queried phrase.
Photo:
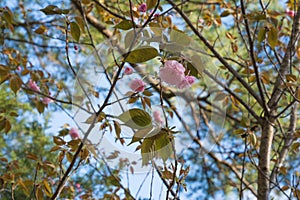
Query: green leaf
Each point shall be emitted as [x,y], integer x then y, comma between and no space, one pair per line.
[198,63]
[54,10]
[253,139]
[151,4]
[179,38]
[141,54]
[140,134]
[273,37]
[261,35]
[7,126]
[129,38]
[163,146]
[136,118]
[63,132]
[192,70]
[4,70]
[75,31]
[8,16]
[40,106]
[80,22]
[47,188]
[124,25]
[225,13]
[158,145]
[147,150]
[15,83]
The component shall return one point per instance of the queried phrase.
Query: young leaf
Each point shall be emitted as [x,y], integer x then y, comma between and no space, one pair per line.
[136,118]
[58,140]
[15,83]
[273,37]
[141,54]
[151,4]
[117,129]
[54,10]
[147,150]
[129,38]
[180,38]
[41,29]
[75,31]
[80,23]
[140,134]
[163,146]
[261,35]
[124,25]
[47,188]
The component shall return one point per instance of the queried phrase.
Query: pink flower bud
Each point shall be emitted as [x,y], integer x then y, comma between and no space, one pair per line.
[157,117]
[137,85]
[46,100]
[142,7]
[128,71]
[33,86]
[290,13]
[74,133]
[19,68]
[78,187]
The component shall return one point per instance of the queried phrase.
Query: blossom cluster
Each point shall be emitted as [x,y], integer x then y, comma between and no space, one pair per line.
[173,73]
[34,87]
[73,132]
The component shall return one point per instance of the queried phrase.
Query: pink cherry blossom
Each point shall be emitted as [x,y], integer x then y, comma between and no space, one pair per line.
[137,85]
[201,21]
[33,86]
[46,100]
[78,187]
[157,117]
[142,7]
[74,133]
[290,13]
[172,72]
[186,82]
[19,68]
[128,71]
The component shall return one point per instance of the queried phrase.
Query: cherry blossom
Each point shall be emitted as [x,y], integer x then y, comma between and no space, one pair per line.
[172,72]
[128,71]
[46,100]
[142,7]
[33,86]
[186,82]
[157,117]
[290,13]
[78,187]
[74,133]
[137,85]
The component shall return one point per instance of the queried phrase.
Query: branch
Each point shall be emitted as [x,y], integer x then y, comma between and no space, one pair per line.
[287,60]
[251,51]
[219,57]
[288,140]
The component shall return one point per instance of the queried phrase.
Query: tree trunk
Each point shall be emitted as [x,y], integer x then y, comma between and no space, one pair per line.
[264,159]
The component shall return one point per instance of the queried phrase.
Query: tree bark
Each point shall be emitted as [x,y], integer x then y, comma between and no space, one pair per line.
[264,159]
